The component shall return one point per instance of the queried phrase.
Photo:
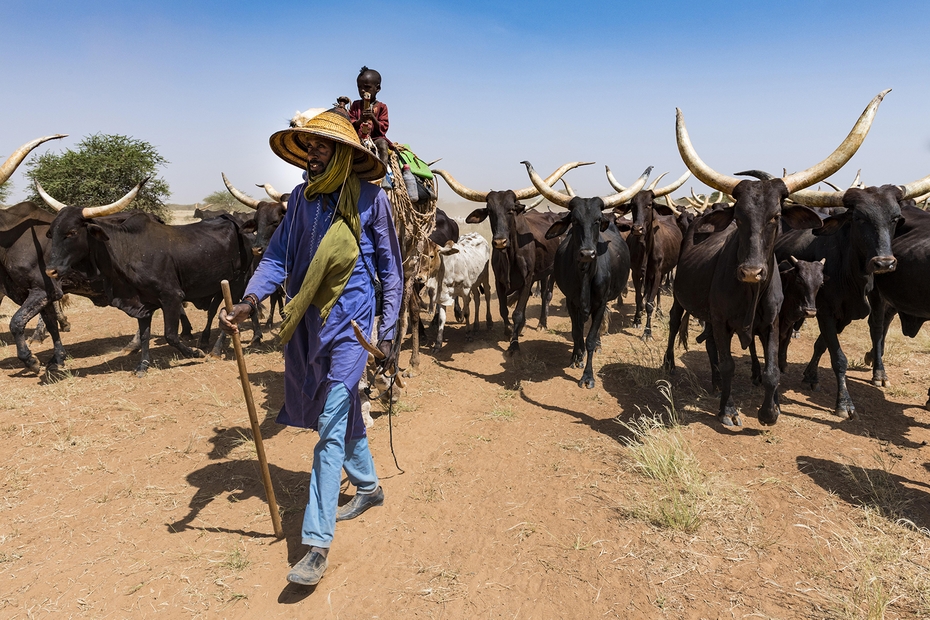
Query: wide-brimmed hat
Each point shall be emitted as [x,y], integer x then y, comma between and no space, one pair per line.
[289,144]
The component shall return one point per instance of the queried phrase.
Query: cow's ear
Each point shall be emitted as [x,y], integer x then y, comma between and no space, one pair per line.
[663,209]
[900,223]
[832,224]
[800,218]
[785,267]
[97,233]
[559,227]
[624,225]
[477,216]
[518,208]
[605,222]
[623,209]
[249,226]
[715,221]
[449,248]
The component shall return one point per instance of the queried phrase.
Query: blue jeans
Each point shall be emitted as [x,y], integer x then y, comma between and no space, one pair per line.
[332,454]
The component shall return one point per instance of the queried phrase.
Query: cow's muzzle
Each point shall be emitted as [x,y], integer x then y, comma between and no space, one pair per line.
[257,251]
[882,264]
[752,275]
[52,273]
[500,244]
[637,231]
[586,256]
[810,312]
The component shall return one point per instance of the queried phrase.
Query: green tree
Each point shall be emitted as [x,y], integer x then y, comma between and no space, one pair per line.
[101,170]
[224,200]
[5,191]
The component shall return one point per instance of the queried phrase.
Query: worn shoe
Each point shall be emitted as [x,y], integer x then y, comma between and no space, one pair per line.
[309,570]
[359,504]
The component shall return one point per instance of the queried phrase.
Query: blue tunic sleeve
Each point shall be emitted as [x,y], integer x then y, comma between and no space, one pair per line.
[271,270]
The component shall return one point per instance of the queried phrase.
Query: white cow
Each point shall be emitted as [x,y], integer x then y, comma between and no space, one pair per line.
[463,273]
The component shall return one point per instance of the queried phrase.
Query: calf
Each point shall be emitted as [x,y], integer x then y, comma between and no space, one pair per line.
[728,278]
[800,282]
[592,264]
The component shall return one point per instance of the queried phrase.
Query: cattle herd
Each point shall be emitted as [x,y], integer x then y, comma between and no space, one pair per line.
[767,255]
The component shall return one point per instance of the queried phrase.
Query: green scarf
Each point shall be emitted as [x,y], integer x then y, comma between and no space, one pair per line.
[335,258]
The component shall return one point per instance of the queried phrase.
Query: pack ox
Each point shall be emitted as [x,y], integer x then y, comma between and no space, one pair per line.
[521,254]
[146,265]
[654,241]
[727,275]
[856,242]
[592,264]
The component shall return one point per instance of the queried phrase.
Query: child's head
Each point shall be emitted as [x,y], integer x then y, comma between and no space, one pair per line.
[369,81]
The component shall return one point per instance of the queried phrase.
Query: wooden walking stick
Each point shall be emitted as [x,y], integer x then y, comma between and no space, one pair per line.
[253,417]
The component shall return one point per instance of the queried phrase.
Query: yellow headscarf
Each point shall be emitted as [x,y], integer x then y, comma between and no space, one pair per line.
[335,258]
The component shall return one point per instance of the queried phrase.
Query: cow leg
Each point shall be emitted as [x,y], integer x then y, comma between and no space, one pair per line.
[457,310]
[211,312]
[187,330]
[721,339]
[64,325]
[652,283]
[638,288]
[486,288]
[51,323]
[144,334]
[545,287]
[574,311]
[710,345]
[769,411]
[502,306]
[810,373]
[519,317]
[674,324]
[470,328]
[172,315]
[441,312]
[133,345]
[879,320]
[756,368]
[591,343]
[40,333]
[256,329]
[830,332]
[784,339]
[33,304]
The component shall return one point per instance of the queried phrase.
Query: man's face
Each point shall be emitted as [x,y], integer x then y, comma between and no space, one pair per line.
[370,83]
[319,152]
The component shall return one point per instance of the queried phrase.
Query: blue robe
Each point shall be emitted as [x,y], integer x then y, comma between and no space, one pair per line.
[320,355]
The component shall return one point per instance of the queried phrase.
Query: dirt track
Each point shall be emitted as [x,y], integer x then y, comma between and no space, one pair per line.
[126,497]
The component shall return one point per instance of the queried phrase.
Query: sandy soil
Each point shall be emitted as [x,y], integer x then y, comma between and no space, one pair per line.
[521,495]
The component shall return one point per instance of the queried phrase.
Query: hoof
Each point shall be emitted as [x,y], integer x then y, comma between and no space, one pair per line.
[586,382]
[436,348]
[646,337]
[757,380]
[730,419]
[845,411]
[880,379]
[513,348]
[32,365]
[142,369]
[409,373]
[769,419]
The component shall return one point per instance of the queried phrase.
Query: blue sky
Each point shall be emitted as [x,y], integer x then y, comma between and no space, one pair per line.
[483,85]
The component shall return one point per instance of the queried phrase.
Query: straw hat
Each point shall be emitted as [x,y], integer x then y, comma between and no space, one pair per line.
[289,145]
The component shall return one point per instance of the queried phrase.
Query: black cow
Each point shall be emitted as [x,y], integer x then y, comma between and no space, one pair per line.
[654,242]
[903,291]
[521,254]
[146,265]
[446,229]
[592,263]
[729,279]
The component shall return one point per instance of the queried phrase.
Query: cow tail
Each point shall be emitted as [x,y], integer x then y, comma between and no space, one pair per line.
[683,331]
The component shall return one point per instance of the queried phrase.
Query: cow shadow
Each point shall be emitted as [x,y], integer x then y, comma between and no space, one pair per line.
[538,360]
[894,497]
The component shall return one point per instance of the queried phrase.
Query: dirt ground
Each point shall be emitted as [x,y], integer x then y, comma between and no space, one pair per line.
[522,495]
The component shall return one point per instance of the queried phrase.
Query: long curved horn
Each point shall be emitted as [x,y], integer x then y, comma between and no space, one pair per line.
[113,207]
[568,188]
[762,175]
[618,199]
[668,189]
[536,202]
[702,171]
[14,160]
[671,204]
[613,181]
[805,178]
[523,194]
[552,179]
[58,206]
[653,185]
[461,190]
[835,188]
[241,197]
[271,191]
